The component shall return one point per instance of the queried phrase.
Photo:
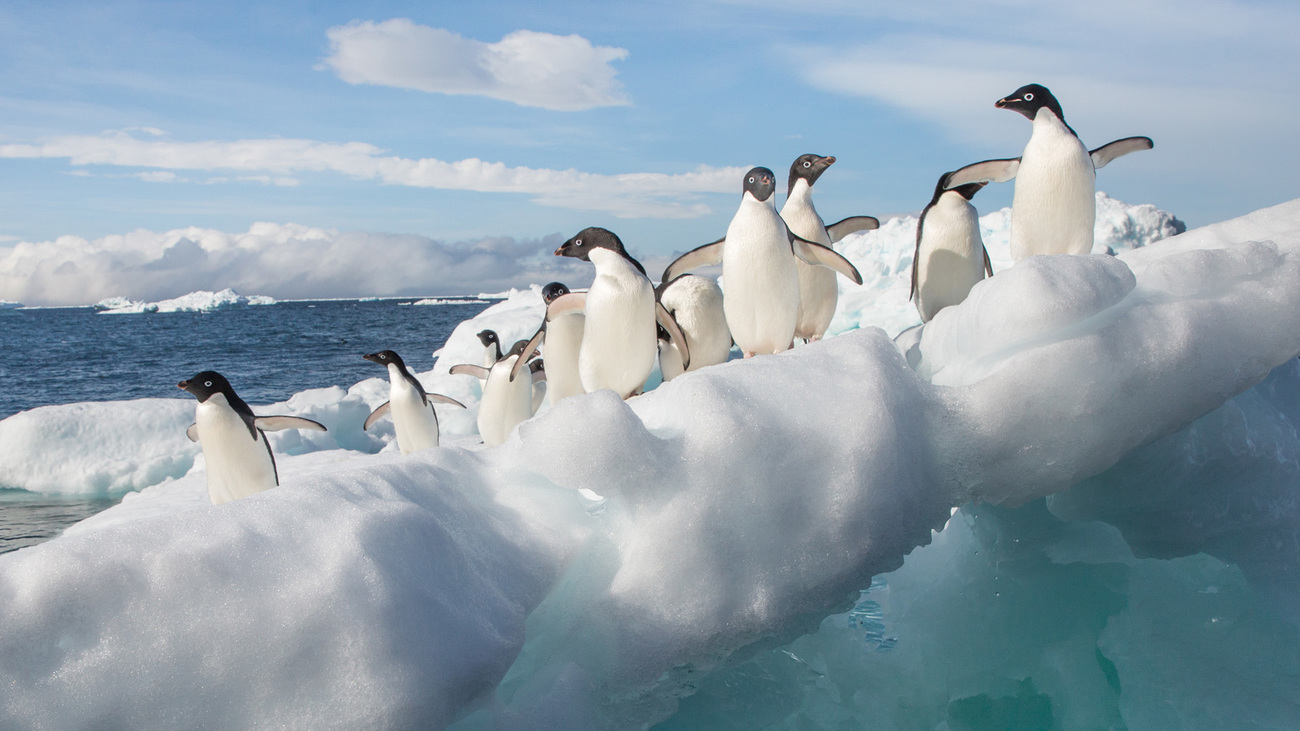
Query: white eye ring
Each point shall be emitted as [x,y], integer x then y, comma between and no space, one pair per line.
[1029,96]
[208,384]
[578,242]
[807,164]
[383,357]
[751,180]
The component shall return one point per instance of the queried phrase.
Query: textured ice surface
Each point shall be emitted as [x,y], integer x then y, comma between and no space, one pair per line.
[192,302]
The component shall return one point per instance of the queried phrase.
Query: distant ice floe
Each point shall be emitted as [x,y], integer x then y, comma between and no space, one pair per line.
[446,301]
[193,302]
[8,305]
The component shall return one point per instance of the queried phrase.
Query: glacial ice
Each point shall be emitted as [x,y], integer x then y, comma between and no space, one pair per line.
[193,302]
[1117,431]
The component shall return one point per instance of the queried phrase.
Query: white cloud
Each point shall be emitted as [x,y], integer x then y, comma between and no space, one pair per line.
[628,195]
[281,260]
[565,73]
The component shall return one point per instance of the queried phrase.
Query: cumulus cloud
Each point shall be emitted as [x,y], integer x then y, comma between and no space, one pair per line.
[286,261]
[627,195]
[565,73]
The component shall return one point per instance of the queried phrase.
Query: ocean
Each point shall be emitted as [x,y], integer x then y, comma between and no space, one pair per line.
[268,352]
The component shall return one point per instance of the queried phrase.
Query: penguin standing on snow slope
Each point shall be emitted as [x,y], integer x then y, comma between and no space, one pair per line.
[950,256]
[818,292]
[619,340]
[560,336]
[695,304]
[238,457]
[506,401]
[758,255]
[411,407]
[1054,207]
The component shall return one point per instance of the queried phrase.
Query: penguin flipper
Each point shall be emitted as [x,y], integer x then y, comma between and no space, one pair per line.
[276,423]
[522,361]
[987,171]
[988,265]
[193,432]
[376,415]
[818,255]
[564,304]
[669,323]
[701,256]
[852,224]
[1118,148]
[466,369]
[438,398]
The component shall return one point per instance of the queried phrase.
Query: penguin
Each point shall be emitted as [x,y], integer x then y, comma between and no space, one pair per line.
[238,457]
[411,407]
[506,401]
[1054,207]
[492,347]
[950,256]
[695,304]
[818,292]
[560,337]
[758,255]
[619,339]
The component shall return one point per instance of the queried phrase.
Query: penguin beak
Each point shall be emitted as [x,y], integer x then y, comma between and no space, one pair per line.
[1004,102]
[828,160]
[560,251]
[183,385]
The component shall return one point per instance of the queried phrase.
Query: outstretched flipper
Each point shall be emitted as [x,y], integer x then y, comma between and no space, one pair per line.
[465,369]
[988,265]
[1118,148]
[987,171]
[375,415]
[701,256]
[529,349]
[444,400]
[566,303]
[276,423]
[852,224]
[193,432]
[669,323]
[818,255]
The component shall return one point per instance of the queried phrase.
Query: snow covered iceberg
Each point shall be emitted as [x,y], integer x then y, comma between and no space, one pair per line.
[201,301]
[744,506]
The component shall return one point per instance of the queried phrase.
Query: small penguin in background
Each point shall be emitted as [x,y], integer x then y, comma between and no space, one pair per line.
[818,291]
[560,337]
[619,340]
[695,304]
[414,418]
[950,256]
[1054,207]
[758,265]
[492,347]
[506,402]
[237,455]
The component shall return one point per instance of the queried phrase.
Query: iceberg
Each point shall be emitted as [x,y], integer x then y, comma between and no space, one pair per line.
[445,301]
[193,302]
[981,521]
[9,305]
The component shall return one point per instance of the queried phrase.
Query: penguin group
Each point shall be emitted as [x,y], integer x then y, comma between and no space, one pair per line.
[779,271]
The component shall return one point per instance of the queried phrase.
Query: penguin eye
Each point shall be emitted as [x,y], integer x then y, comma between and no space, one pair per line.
[578,242]
[751,180]
[208,384]
[1029,96]
[807,164]
[383,357]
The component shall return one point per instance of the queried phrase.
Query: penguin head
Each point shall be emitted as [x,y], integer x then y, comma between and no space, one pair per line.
[206,384]
[487,337]
[1029,99]
[551,292]
[594,237]
[384,357]
[662,333]
[808,168]
[517,348]
[760,183]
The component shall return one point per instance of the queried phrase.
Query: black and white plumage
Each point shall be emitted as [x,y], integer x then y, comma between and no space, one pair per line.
[560,337]
[506,401]
[695,304]
[758,268]
[414,419]
[950,256]
[237,456]
[1054,207]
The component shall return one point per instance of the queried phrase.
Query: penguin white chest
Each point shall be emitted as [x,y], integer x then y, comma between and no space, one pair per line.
[950,255]
[762,284]
[505,403]
[818,290]
[696,304]
[1053,210]
[561,348]
[415,423]
[618,340]
[238,463]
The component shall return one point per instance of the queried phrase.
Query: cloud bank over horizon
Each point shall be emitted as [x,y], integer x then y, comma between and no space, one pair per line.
[285,261]
[562,73]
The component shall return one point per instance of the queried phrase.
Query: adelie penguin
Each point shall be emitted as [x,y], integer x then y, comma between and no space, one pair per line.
[818,292]
[1054,207]
[695,304]
[238,458]
[950,256]
[506,401]
[619,339]
[758,265]
[414,418]
[560,337]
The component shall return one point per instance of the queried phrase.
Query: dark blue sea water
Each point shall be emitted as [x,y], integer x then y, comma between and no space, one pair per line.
[269,353]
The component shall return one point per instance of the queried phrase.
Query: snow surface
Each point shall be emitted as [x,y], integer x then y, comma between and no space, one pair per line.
[614,563]
[192,302]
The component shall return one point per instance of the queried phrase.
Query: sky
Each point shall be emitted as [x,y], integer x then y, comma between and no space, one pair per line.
[142,144]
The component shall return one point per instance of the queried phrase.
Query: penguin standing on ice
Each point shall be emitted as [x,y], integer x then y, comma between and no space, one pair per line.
[758,267]
[560,337]
[411,407]
[619,339]
[950,256]
[818,292]
[238,457]
[506,401]
[1054,207]
[695,304]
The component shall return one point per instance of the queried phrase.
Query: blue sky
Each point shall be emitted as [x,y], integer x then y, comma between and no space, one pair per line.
[121,116]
